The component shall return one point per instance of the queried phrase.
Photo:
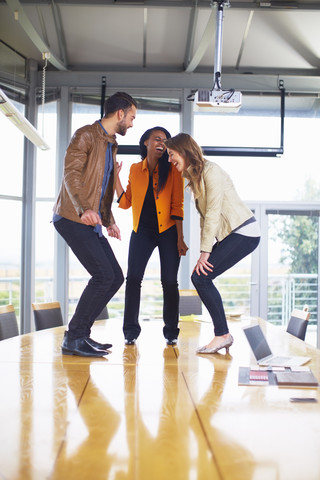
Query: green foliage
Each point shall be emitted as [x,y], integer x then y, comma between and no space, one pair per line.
[299,235]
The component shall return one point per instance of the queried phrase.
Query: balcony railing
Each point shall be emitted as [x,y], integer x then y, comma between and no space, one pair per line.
[285,292]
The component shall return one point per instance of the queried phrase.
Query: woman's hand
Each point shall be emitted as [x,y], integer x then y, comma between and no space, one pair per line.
[182,247]
[119,166]
[203,264]
[113,231]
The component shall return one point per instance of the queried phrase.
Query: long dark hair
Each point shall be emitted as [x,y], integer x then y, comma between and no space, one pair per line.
[164,165]
[188,148]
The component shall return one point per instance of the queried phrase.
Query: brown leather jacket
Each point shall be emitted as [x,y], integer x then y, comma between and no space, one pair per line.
[83,174]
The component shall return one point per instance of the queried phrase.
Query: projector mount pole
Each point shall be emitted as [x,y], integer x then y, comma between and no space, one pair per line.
[218,44]
[217,99]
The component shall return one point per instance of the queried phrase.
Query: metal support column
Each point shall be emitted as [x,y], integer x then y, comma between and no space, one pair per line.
[28,212]
[191,224]
[61,257]
[255,269]
[318,296]
[263,262]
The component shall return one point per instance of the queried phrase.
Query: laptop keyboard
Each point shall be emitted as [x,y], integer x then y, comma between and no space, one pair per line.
[279,360]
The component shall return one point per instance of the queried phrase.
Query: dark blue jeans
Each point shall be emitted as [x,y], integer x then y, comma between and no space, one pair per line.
[224,255]
[97,257]
[141,247]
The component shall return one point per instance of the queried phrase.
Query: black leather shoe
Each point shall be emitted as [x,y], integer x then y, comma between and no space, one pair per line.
[97,345]
[80,347]
[172,341]
[130,341]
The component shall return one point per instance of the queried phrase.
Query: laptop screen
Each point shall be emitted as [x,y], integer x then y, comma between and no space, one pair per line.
[257,342]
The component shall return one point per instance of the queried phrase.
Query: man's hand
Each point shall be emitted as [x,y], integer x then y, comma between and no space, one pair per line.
[113,231]
[90,217]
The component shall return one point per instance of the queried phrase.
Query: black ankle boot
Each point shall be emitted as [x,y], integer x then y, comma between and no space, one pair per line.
[97,345]
[80,347]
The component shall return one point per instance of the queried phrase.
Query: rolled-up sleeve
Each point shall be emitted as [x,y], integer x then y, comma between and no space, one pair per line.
[177,196]
[125,199]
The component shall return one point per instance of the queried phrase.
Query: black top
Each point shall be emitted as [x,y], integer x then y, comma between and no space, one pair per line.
[148,217]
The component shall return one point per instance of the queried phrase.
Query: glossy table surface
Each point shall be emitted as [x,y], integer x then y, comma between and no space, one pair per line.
[153,412]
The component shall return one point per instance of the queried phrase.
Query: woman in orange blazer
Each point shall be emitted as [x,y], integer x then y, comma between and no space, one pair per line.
[155,191]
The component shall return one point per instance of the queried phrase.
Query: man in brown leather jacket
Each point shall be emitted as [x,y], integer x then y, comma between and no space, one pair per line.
[83,206]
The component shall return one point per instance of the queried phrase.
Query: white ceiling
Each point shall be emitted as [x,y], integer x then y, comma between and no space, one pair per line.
[113,34]
[259,38]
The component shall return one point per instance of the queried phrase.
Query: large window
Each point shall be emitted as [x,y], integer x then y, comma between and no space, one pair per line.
[293,238]
[293,249]
[45,196]
[289,182]
[12,141]
[292,176]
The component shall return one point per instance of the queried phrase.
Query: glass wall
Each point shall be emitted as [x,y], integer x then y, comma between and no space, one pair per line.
[293,238]
[293,247]
[12,142]
[45,196]
[292,177]
[289,177]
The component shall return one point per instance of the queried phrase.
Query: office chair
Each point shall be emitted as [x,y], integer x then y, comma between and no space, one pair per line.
[8,322]
[298,322]
[47,315]
[189,303]
[104,314]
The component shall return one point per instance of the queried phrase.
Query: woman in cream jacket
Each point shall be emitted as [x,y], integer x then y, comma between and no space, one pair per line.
[155,193]
[229,231]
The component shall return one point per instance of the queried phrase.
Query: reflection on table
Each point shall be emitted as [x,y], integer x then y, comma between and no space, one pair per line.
[152,412]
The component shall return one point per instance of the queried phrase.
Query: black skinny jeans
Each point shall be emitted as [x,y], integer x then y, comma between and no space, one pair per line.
[224,255]
[97,257]
[141,247]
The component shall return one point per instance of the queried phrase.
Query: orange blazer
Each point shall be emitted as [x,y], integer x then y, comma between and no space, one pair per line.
[169,202]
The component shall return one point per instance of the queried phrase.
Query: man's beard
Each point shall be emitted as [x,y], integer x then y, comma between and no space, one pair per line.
[122,128]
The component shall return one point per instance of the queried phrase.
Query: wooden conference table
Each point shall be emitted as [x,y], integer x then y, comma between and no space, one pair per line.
[152,412]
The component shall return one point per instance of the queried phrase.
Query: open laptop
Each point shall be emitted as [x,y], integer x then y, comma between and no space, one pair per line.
[262,351]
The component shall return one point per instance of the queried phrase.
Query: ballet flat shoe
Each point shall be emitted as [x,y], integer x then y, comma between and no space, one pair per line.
[225,344]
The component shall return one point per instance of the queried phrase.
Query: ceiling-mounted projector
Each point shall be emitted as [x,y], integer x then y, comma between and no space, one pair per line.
[217,101]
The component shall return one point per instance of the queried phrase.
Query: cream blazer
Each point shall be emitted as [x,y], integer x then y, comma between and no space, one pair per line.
[220,207]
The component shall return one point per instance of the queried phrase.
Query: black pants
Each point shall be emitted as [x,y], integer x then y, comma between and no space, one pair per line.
[141,247]
[223,256]
[97,257]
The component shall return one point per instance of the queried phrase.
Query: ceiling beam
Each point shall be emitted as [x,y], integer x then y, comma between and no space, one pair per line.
[59,31]
[254,5]
[245,35]
[177,81]
[292,38]
[20,16]
[205,41]
[191,34]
